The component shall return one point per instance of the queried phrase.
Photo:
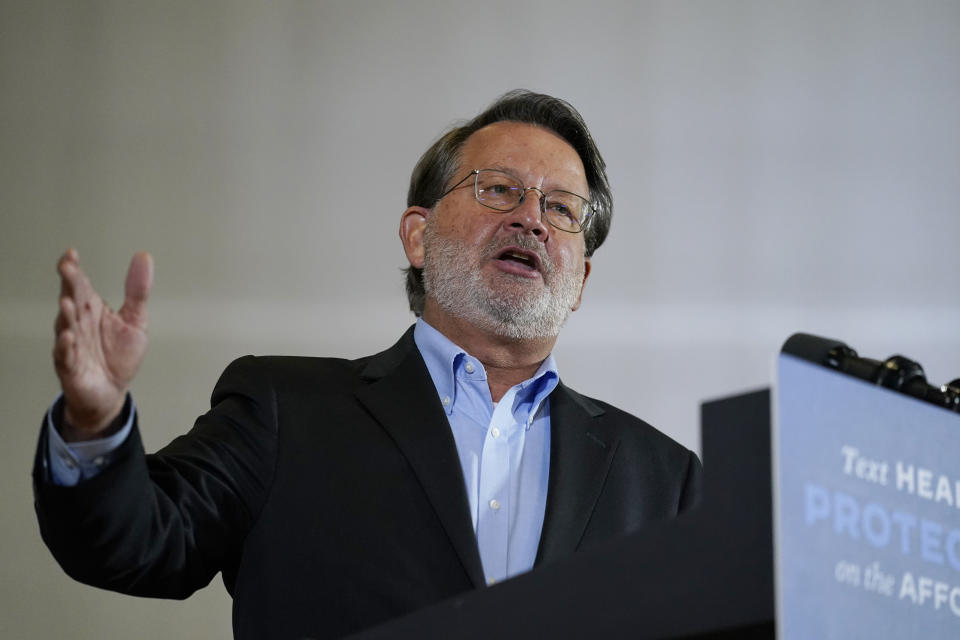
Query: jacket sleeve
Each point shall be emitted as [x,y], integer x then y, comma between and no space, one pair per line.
[163,525]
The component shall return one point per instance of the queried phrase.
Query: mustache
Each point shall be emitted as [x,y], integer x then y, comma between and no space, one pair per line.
[522,241]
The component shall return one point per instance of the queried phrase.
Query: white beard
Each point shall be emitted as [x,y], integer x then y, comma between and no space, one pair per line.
[452,276]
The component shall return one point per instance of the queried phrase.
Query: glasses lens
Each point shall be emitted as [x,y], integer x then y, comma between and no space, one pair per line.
[565,210]
[498,190]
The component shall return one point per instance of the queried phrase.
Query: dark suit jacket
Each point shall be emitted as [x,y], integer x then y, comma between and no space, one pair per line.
[329,494]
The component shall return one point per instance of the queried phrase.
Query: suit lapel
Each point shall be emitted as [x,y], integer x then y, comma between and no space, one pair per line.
[401,396]
[580,456]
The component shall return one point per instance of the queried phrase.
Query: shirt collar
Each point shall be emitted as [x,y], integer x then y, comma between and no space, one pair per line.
[443,357]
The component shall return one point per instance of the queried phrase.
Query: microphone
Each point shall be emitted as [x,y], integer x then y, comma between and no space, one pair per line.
[897,372]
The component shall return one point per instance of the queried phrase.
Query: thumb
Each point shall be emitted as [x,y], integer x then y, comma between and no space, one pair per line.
[137,289]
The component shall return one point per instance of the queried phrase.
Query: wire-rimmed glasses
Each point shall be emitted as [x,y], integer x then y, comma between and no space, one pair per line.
[501,191]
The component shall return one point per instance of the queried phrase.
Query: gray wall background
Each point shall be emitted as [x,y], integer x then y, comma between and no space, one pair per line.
[776,166]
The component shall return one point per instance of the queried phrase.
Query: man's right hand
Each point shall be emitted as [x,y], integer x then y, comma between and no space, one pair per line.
[98,351]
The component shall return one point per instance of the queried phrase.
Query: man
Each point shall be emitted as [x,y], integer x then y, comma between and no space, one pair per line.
[336,494]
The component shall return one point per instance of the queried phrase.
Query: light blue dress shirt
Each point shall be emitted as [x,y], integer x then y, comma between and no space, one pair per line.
[68,464]
[504,450]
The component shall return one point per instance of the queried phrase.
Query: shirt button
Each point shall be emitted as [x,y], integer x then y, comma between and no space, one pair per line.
[491,582]
[469,367]
[68,462]
[495,504]
[99,461]
[446,401]
[495,432]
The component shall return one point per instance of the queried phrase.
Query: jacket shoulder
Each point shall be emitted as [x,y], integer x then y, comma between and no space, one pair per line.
[312,375]
[626,425]
[645,454]
[295,374]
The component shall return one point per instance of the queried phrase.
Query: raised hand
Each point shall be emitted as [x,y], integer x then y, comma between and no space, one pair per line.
[98,351]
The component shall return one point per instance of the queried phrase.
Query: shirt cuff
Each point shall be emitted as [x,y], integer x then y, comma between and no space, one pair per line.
[70,463]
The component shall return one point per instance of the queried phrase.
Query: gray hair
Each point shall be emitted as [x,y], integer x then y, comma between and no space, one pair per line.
[437,165]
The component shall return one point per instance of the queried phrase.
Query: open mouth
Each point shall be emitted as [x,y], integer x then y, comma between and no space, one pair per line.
[520,257]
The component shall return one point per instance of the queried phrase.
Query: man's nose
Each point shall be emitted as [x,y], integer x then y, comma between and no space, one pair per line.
[528,216]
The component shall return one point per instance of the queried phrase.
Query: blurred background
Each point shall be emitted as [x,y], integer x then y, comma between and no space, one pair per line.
[776,166]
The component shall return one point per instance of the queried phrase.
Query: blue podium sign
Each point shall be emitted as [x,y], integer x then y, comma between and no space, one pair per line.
[867,503]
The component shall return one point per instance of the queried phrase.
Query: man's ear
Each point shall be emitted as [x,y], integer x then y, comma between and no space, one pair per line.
[412,223]
[586,274]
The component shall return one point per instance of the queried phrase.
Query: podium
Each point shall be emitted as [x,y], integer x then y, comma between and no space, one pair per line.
[712,572]
[867,518]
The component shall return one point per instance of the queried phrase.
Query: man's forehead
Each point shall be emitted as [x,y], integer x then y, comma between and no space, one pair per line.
[523,148]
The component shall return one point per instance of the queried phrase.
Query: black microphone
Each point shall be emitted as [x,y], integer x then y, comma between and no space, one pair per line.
[897,372]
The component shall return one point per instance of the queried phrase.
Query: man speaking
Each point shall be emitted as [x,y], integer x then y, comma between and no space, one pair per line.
[335,494]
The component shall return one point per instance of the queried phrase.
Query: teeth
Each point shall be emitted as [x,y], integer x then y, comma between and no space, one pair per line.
[517,256]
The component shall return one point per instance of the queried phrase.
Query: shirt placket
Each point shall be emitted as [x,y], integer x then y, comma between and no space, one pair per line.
[495,513]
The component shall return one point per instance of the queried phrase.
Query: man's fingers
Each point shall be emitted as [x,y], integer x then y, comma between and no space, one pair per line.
[65,269]
[70,255]
[67,315]
[137,289]
[64,353]
[73,281]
